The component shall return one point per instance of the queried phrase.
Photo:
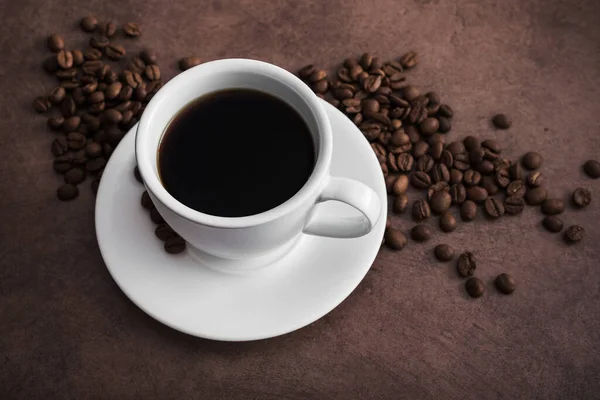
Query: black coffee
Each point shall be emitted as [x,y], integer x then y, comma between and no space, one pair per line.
[235,153]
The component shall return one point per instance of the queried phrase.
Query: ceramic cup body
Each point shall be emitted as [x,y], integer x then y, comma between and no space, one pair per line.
[261,234]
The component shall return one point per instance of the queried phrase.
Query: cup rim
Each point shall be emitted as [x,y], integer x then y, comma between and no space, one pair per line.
[146,161]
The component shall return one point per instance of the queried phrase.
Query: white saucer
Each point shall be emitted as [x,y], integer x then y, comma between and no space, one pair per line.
[304,285]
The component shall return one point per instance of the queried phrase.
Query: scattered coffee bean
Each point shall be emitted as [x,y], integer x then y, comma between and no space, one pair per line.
[420,233]
[493,207]
[147,201]
[400,185]
[447,222]
[536,196]
[138,176]
[468,210]
[189,62]
[477,194]
[516,172]
[421,210]
[466,264]
[115,51]
[516,188]
[505,283]
[553,206]
[458,193]
[552,223]
[535,179]
[582,197]
[456,176]
[74,176]
[400,203]
[475,287]
[164,232]
[56,43]
[489,184]
[89,23]
[175,245]
[514,205]
[132,29]
[532,160]
[501,121]
[592,169]
[395,239]
[420,180]
[574,234]
[108,28]
[502,178]
[471,177]
[156,217]
[440,202]
[443,252]
[67,192]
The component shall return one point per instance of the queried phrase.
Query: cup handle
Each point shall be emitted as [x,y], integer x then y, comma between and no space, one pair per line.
[353,193]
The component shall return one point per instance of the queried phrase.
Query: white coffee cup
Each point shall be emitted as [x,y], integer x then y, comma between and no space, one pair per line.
[254,240]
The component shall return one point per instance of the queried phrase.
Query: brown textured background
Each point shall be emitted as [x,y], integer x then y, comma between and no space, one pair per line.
[408,331]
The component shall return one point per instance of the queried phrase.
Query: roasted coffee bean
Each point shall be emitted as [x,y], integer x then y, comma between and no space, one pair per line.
[516,188]
[553,206]
[493,207]
[74,176]
[532,160]
[132,29]
[400,185]
[476,156]
[502,178]
[443,252]
[425,163]
[420,149]
[55,43]
[421,210]
[92,123]
[398,138]
[535,179]
[466,264]
[440,173]
[404,162]
[444,125]
[574,234]
[365,60]
[147,201]
[96,97]
[516,172]
[126,93]
[136,108]
[461,162]
[392,163]
[153,87]
[456,176]
[471,143]
[447,222]
[409,60]
[115,51]
[436,150]
[132,79]
[71,124]
[411,93]
[552,223]
[91,54]
[420,233]
[485,167]
[63,163]
[89,88]
[93,149]
[420,180]
[501,164]
[389,183]
[458,193]
[57,95]
[75,140]
[395,239]
[514,205]
[505,283]
[156,217]
[42,104]
[306,71]
[475,287]
[91,67]
[107,149]
[189,62]
[501,121]
[108,28]
[99,41]
[492,149]
[321,86]
[59,146]
[456,147]
[400,203]
[437,187]
[440,202]
[67,76]
[55,123]
[79,157]
[592,169]
[175,245]
[79,97]
[477,194]
[89,23]
[317,75]
[536,196]
[68,107]
[164,232]
[140,93]
[112,116]
[445,111]
[471,178]
[581,197]
[148,56]
[468,210]
[429,126]
[152,72]
[113,90]
[95,164]
[67,192]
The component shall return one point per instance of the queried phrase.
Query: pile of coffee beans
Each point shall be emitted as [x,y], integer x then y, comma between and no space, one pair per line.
[95,101]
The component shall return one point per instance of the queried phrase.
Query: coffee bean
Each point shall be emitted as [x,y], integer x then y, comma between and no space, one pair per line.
[317,75]
[502,178]
[421,210]
[91,67]
[63,163]
[409,60]
[321,86]
[516,172]
[152,72]
[471,178]
[475,287]
[440,173]
[71,124]
[420,180]
[425,163]
[96,97]
[552,223]
[420,149]
[476,156]
[471,143]
[592,169]
[108,28]
[466,264]
[501,164]
[444,125]
[115,51]
[89,23]
[440,202]
[137,175]
[79,157]
[78,57]
[74,176]
[505,283]
[420,233]
[535,179]
[400,185]
[189,62]
[91,54]
[501,121]
[536,196]
[492,149]
[93,149]
[456,148]
[156,217]
[553,206]
[461,161]
[456,176]
[59,146]
[485,167]
[392,162]
[67,192]
[175,245]
[164,232]
[429,126]
[57,95]
[516,188]
[445,111]
[132,29]
[55,123]
[399,138]
[306,71]
[95,164]
[400,203]
[458,193]
[532,160]
[56,43]
[411,93]
[447,222]
[42,104]
[99,41]
[395,239]
[514,205]
[581,197]
[443,252]
[436,151]
[574,234]
[468,210]
[405,162]
[493,207]
[126,93]
[147,201]
[477,194]
[437,187]
[75,140]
